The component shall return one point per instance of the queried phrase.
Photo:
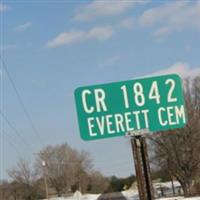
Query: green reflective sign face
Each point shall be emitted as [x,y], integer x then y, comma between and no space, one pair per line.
[110,110]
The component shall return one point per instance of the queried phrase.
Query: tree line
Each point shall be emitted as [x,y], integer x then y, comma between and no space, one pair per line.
[65,170]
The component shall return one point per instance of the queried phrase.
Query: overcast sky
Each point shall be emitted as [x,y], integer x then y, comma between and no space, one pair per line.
[52,47]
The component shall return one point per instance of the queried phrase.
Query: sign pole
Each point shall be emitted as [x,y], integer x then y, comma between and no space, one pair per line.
[145,186]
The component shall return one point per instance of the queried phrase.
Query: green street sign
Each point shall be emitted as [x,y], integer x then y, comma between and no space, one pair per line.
[113,109]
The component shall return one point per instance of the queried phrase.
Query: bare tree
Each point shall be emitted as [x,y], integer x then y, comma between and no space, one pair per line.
[64,166]
[82,167]
[24,179]
[4,190]
[178,150]
[98,183]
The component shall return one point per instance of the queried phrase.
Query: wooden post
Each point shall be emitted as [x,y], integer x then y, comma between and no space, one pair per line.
[145,186]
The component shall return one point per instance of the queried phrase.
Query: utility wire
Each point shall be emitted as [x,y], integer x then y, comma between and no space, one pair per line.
[21,101]
[12,144]
[16,140]
[14,129]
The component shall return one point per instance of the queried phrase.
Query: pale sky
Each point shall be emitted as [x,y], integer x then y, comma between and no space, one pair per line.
[52,47]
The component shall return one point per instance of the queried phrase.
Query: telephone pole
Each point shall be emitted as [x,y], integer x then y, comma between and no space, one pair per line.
[44,175]
[45,179]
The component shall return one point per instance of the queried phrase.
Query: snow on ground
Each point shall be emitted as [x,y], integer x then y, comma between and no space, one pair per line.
[180,198]
[167,184]
[82,197]
[129,194]
[131,197]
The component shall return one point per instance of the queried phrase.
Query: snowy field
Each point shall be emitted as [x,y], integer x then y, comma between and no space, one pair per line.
[129,195]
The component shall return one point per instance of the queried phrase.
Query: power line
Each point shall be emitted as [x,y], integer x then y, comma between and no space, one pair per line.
[13,145]
[21,101]
[14,129]
[16,140]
